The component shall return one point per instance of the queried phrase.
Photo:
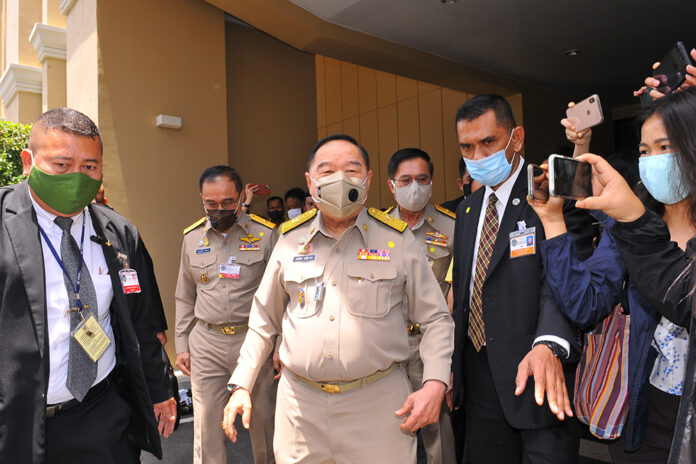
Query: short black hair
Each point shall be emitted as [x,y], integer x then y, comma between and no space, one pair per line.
[480,104]
[213,172]
[65,120]
[331,138]
[268,202]
[296,193]
[462,167]
[407,154]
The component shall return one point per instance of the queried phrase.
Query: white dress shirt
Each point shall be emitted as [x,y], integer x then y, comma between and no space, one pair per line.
[503,195]
[57,301]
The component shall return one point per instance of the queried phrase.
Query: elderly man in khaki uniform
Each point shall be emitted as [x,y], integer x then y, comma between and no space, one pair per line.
[336,287]
[410,180]
[223,258]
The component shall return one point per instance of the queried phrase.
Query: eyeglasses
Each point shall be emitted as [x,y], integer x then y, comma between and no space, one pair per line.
[224,204]
[405,181]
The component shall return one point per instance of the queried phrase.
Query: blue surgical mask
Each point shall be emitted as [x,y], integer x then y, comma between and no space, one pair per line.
[660,175]
[491,170]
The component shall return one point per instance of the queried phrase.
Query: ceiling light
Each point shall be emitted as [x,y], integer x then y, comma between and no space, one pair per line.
[447,2]
[573,52]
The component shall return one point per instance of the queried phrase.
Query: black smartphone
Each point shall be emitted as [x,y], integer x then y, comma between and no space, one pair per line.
[672,70]
[569,177]
[537,183]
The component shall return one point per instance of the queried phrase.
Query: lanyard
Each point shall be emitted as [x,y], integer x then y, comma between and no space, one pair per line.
[76,284]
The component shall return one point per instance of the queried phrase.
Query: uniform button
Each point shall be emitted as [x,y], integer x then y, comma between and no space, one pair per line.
[333,282]
[330,355]
[331,317]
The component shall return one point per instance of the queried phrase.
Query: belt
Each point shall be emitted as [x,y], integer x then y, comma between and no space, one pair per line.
[345,387]
[229,329]
[58,408]
[413,329]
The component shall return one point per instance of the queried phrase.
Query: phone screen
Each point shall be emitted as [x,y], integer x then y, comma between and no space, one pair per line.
[572,178]
[537,183]
[672,70]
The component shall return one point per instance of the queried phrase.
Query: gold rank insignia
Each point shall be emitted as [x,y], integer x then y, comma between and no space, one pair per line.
[301,298]
[287,226]
[389,210]
[194,225]
[204,277]
[250,238]
[384,218]
[261,220]
[446,212]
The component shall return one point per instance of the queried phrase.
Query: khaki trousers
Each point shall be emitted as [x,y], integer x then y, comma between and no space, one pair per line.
[213,358]
[438,438]
[358,427]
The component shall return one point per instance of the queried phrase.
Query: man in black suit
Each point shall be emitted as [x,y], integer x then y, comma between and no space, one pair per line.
[507,325]
[81,365]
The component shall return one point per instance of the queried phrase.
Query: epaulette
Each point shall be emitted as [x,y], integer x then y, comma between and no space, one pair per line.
[194,225]
[299,220]
[384,218]
[446,211]
[261,220]
[389,210]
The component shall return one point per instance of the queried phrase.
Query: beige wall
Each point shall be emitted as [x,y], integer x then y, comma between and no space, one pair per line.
[160,57]
[24,107]
[386,112]
[271,118]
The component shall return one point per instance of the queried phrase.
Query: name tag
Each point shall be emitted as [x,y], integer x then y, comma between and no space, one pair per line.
[303,258]
[91,337]
[523,242]
[229,271]
[129,281]
[202,250]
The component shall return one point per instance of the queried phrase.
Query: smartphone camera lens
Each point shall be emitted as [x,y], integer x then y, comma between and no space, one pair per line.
[592,100]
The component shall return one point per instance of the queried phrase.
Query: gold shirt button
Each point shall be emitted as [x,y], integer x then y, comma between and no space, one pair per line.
[330,355]
[331,318]
[333,282]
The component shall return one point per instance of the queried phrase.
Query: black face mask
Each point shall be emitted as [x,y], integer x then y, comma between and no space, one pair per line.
[276,214]
[222,219]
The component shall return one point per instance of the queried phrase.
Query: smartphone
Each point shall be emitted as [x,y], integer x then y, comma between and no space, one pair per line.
[569,177]
[672,70]
[537,183]
[264,189]
[586,114]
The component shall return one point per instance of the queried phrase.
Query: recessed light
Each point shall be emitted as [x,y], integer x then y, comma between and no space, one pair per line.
[447,2]
[573,52]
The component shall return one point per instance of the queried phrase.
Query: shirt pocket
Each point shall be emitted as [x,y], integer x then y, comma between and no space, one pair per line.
[204,269]
[438,261]
[300,283]
[369,290]
[105,293]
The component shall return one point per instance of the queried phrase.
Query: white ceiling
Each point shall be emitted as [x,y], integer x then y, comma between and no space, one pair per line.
[527,39]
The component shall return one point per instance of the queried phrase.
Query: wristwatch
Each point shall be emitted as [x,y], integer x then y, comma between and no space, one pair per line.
[233,388]
[244,205]
[557,350]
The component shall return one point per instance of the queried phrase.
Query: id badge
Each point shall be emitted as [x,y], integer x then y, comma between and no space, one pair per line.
[129,281]
[229,271]
[523,242]
[91,337]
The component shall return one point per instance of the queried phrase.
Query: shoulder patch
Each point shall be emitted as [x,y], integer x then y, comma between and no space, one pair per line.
[299,220]
[194,225]
[384,218]
[262,221]
[446,212]
[389,210]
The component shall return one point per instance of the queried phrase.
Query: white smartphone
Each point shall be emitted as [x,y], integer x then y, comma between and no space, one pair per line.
[569,177]
[586,114]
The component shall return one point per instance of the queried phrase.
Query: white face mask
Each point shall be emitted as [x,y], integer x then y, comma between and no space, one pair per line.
[293,213]
[339,195]
[414,196]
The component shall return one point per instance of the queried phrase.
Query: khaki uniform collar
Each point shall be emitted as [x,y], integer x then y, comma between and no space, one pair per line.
[361,223]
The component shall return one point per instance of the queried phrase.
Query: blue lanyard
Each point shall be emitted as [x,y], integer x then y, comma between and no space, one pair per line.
[76,284]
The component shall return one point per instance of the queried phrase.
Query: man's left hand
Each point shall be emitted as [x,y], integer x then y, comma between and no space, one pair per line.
[162,337]
[165,414]
[548,378]
[423,406]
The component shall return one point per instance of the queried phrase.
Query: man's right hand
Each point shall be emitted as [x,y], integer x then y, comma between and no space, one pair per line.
[239,403]
[183,362]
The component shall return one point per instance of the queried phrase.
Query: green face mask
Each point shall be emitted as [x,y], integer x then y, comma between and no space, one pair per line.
[65,193]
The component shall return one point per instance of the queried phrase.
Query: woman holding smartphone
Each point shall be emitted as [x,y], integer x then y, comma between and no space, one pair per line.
[588,291]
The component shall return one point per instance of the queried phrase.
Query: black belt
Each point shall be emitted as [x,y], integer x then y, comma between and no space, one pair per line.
[56,409]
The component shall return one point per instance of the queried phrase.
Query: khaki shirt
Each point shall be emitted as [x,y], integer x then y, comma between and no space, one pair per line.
[201,292]
[357,327]
[435,236]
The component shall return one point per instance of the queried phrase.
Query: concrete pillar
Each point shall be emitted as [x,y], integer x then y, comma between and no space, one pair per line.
[50,43]
[20,92]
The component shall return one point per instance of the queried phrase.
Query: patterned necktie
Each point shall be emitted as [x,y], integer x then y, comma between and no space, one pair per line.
[477,332]
[82,371]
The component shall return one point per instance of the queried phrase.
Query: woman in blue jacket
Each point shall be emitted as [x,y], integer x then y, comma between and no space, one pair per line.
[588,291]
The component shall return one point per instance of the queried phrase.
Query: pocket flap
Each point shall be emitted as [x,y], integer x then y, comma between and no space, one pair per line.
[203,259]
[374,272]
[300,273]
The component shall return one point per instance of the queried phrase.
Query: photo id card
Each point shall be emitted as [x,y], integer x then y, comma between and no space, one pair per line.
[129,281]
[91,337]
[229,271]
[523,242]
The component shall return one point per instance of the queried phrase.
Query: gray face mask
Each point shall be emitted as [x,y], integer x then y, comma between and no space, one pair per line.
[414,196]
[339,195]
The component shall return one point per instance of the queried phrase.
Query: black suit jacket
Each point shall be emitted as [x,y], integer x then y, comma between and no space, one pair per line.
[518,306]
[142,370]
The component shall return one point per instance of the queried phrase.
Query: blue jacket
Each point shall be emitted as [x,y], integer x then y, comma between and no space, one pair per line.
[587,292]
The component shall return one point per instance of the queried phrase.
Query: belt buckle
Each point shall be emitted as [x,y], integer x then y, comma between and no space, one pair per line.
[52,411]
[228,330]
[330,388]
[414,329]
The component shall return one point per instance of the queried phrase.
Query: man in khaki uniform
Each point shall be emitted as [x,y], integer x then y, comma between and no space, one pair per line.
[335,286]
[410,180]
[223,258]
